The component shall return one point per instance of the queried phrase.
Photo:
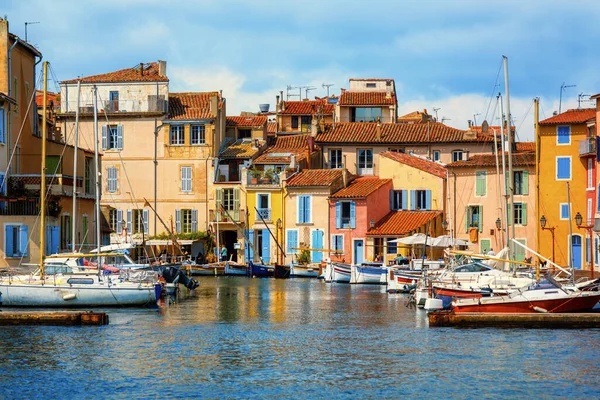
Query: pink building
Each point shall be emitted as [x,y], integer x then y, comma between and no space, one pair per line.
[353,210]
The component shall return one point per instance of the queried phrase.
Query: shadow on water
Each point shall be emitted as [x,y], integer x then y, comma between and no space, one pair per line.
[240,338]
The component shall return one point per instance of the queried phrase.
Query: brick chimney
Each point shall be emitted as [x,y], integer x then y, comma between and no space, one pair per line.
[142,69]
[162,68]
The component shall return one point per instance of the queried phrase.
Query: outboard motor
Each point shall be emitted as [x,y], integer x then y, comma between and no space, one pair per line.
[175,275]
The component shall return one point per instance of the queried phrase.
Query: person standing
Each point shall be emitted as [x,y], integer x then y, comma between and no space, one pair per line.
[223,253]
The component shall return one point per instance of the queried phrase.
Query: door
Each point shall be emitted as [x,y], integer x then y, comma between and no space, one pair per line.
[230,239]
[265,246]
[359,251]
[317,243]
[576,248]
[114,101]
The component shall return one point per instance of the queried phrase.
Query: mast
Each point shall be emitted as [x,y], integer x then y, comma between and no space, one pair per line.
[537,171]
[97,170]
[74,224]
[43,174]
[511,178]
[505,191]
[571,255]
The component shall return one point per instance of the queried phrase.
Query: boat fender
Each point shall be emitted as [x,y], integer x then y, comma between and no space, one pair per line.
[540,309]
[69,296]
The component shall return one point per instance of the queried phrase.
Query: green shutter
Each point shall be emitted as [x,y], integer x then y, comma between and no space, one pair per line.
[524,213]
[519,251]
[509,215]
[219,203]
[525,183]
[480,183]
[485,244]
[480,218]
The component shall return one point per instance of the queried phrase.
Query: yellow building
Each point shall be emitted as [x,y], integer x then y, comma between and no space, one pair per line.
[567,151]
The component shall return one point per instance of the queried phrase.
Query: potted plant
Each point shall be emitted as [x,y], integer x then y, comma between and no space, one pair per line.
[304,257]
[269,176]
[255,174]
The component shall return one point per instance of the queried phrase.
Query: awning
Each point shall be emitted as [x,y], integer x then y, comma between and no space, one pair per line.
[400,223]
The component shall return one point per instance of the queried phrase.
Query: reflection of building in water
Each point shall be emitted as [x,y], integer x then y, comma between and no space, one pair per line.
[277,302]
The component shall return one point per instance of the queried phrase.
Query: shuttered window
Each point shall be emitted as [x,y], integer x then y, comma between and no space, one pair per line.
[112,180]
[480,183]
[186,179]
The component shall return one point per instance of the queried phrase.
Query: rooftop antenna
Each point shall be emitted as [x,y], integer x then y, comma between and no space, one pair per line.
[288,94]
[435,110]
[475,119]
[28,23]
[445,119]
[327,85]
[580,97]
[307,88]
[562,89]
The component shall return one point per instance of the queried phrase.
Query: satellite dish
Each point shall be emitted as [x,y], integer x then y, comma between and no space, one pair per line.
[485,127]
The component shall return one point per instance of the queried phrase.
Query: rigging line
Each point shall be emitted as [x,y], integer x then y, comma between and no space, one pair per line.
[54,78]
[524,118]
[494,89]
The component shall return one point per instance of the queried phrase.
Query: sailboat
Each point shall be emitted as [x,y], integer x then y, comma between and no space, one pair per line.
[85,289]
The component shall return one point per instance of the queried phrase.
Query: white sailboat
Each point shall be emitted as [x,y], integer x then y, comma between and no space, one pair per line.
[75,289]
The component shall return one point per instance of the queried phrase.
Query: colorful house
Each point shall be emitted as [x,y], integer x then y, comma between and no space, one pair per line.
[306,207]
[353,210]
[567,153]
[368,100]
[300,116]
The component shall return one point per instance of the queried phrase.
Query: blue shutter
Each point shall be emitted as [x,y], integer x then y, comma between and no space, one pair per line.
[178,221]
[2,126]
[129,218]
[250,244]
[104,137]
[563,168]
[428,199]
[120,137]
[352,215]
[392,194]
[301,210]
[145,216]
[317,243]
[8,239]
[307,209]
[266,246]
[55,240]
[292,241]
[564,133]
[194,220]
[405,199]
[24,239]
[119,221]
[588,251]
[413,200]
[48,246]
[338,215]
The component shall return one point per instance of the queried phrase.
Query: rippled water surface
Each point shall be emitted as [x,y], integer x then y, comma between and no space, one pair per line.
[249,338]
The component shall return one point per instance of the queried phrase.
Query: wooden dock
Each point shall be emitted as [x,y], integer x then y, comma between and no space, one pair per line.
[533,321]
[67,318]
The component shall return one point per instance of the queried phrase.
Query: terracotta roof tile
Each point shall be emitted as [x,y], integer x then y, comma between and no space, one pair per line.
[578,116]
[366,132]
[315,177]
[39,98]
[360,187]
[415,117]
[241,148]
[525,147]
[398,223]
[283,147]
[417,162]
[190,106]
[307,107]
[489,160]
[349,98]
[271,127]
[247,121]
[150,74]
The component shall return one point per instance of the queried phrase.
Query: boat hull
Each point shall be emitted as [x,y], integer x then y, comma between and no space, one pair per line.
[367,275]
[236,270]
[281,271]
[260,271]
[304,271]
[340,273]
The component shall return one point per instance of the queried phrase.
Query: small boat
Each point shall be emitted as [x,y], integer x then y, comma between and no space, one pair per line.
[305,271]
[340,272]
[233,269]
[402,281]
[367,273]
[281,271]
[212,269]
[260,270]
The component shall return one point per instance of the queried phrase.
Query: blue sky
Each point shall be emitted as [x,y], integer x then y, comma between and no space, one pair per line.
[442,54]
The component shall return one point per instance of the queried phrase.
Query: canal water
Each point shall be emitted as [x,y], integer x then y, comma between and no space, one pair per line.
[267,338]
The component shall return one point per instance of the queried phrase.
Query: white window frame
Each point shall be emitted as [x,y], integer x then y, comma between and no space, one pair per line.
[462,155]
[433,155]
[186,182]
[556,169]
[570,134]
[514,209]
[590,169]
[560,211]
[365,170]
[341,160]
[201,135]
[590,215]
[180,135]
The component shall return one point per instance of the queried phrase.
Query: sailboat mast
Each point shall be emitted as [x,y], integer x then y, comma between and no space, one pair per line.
[97,170]
[505,189]
[511,178]
[571,255]
[74,224]
[43,173]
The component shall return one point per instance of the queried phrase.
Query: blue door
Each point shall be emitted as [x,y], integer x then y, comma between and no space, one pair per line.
[359,251]
[576,248]
[317,243]
[266,246]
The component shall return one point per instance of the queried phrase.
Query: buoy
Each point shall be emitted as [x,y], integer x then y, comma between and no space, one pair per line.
[70,296]
[433,304]
[540,309]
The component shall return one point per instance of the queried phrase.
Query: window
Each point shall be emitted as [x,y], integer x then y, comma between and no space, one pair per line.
[365,162]
[304,215]
[337,243]
[457,155]
[295,122]
[2,125]
[306,123]
[292,241]
[263,207]
[186,221]
[520,251]
[563,168]
[88,171]
[244,133]
[84,229]
[366,114]
[345,214]
[520,213]
[398,200]
[65,231]
[229,199]
[2,184]
[112,137]
[480,183]
[598,200]
[521,182]
[564,211]
[177,135]
[590,217]
[186,179]
[113,220]
[335,158]
[392,247]
[590,180]
[473,218]
[113,104]
[371,84]
[396,149]
[563,135]
[197,134]
[420,199]
[15,240]
[436,155]
[112,181]
[137,221]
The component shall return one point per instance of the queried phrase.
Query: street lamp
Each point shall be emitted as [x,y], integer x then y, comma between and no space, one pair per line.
[543,225]
[498,224]
[372,223]
[588,228]
[445,225]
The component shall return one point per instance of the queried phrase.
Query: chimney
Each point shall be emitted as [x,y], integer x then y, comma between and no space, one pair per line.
[162,68]
[277,105]
[343,90]
[142,69]
[314,128]
[310,144]
[378,131]
[470,123]
[293,161]
[345,175]
[388,89]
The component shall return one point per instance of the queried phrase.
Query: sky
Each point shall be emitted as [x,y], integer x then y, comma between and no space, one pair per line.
[444,55]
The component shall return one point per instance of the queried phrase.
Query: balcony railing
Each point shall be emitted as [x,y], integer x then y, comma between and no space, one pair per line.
[58,184]
[220,216]
[265,213]
[587,147]
[271,179]
[27,206]
[150,105]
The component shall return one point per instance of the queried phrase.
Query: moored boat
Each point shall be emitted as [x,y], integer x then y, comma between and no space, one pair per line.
[340,272]
[232,268]
[260,270]
[367,273]
[304,271]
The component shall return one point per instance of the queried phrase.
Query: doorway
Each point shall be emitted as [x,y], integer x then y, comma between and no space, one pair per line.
[359,251]
[230,239]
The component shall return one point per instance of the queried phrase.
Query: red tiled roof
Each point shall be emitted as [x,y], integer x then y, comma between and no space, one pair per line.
[307,107]
[525,147]
[360,187]
[366,99]
[246,121]
[271,127]
[315,177]
[371,79]
[417,162]
[366,132]
[489,160]
[194,105]
[241,148]
[578,116]
[415,117]
[283,147]
[39,98]
[491,129]
[398,223]
[150,74]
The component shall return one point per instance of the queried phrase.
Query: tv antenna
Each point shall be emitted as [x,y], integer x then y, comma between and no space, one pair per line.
[562,89]
[307,89]
[327,85]
[435,110]
[28,23]
[290,88]
[445,119]
[580,97]
[475,119]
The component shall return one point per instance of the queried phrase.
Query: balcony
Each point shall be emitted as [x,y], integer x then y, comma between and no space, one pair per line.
[20,206]
[220,216]
[264,213]
[587,148]
[152,104]
[262,178]
[59,184]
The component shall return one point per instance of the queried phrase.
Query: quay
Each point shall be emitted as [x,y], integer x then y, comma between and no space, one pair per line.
[63,318]
[535,321]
